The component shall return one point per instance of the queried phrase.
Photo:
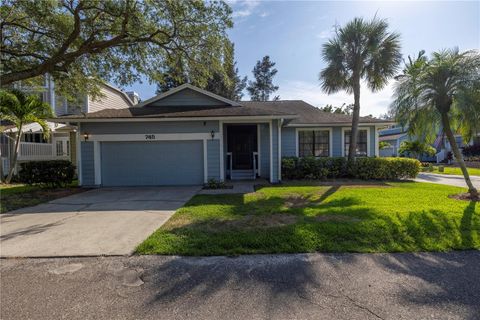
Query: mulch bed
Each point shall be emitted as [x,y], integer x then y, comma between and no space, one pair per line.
[464,197]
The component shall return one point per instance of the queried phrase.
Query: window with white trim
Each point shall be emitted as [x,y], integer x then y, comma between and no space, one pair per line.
[362,142]
[314,143]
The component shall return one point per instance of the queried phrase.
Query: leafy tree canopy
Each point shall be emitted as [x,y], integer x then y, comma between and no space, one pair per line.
[343,109]
[262,87]
[360,50]
[82,42]
[416,149]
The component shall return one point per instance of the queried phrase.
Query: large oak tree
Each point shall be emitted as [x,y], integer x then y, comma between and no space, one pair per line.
[81,42]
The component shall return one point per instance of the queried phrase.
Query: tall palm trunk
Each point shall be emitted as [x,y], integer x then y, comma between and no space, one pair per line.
[352,150]
[13,164]
[456,152]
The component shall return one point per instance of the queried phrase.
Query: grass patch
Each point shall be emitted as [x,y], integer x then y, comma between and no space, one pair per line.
[457,171]
[397,217]
[16,196]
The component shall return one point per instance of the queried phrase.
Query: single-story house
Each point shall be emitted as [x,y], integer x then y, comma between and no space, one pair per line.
[187,136]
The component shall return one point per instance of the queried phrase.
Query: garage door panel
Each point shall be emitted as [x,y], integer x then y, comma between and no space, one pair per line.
[152,163]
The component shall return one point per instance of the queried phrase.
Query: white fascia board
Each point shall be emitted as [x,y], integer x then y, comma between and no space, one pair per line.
[151,137]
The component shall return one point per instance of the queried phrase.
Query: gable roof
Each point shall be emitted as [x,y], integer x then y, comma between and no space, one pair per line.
[185,87]
[122,93]
[297,111]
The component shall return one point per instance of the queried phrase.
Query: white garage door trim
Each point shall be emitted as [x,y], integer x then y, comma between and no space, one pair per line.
[98,138]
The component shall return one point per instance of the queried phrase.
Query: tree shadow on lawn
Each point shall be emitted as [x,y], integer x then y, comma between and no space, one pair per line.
[265,225]
[445,278]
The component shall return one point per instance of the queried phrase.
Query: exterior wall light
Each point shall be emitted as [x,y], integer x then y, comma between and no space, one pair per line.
[85,136]
[212,133]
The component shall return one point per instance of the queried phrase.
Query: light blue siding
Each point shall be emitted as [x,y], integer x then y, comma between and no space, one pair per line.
[337,141]
[188,97]
[275,151]
[150,127]
[289,148]
[213,159]
[152,163]
[87,163]
[264,151]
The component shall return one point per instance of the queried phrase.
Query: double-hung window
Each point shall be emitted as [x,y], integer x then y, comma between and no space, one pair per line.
[313,143]
[362,142]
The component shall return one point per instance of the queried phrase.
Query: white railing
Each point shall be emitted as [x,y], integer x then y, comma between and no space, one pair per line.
[230,162]
[441,156]
[255,164]
[38,151]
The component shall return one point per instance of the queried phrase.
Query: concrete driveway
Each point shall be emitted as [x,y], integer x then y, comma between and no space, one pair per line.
[449,180]
[110,221]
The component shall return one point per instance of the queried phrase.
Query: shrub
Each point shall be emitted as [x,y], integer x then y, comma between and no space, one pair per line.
[55,173]
[471,152]
[214,184]
[362,168]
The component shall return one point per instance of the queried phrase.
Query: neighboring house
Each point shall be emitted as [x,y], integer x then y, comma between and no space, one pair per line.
[187,136]
[61,144]
[395,135]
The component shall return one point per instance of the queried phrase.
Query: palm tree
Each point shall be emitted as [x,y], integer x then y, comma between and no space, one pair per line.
[416,149]
[438,94]
[21,109]
[361,50]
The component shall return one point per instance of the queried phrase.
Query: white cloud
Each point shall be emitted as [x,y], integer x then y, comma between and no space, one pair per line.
[264,14]
[370,103]
[327,33]
[243,9]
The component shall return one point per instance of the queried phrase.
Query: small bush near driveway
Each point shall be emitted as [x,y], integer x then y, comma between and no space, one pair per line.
[363,168]
[54,173]
[374,217]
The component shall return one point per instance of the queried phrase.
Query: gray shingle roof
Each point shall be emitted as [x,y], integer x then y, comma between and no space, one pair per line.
[308,114]
[302,112]
[180,112]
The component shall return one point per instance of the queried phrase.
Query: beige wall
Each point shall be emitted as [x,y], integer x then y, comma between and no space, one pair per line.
[111,99]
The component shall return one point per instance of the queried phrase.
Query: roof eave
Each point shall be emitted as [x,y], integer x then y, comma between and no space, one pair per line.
[165,119]
[337,124]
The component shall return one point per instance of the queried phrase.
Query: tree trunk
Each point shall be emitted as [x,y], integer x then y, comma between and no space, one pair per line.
[456,152]
[13,164]
[355,119]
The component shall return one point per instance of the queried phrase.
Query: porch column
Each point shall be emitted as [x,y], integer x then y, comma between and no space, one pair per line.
[275,151]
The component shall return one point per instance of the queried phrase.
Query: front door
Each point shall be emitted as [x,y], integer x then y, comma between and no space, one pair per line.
[242,142]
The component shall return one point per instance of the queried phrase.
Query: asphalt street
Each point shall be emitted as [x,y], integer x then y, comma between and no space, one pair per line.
[297,286]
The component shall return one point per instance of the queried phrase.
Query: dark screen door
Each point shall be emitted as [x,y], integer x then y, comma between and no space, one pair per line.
[242,142]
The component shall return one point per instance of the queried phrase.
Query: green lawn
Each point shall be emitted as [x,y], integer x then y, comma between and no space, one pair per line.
[393,217]
[16,196]
[457,171]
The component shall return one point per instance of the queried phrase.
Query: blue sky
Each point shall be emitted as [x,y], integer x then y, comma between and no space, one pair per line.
[292,33]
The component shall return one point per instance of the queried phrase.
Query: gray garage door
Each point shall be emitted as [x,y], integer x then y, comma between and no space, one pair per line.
[152,163]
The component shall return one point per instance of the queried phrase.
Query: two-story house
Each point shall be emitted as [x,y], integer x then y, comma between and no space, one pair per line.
[62,141]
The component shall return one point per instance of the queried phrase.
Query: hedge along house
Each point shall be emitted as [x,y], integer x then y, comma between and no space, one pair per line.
[188,136]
